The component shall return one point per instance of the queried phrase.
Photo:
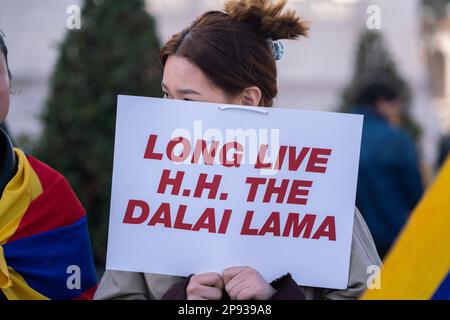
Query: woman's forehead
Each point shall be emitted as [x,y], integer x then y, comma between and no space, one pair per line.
[179,73]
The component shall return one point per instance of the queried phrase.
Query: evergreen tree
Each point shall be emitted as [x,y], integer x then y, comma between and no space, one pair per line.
[374,62]
[116,51]
[441,8]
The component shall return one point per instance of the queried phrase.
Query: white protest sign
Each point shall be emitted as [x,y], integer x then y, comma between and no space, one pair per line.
[201,187]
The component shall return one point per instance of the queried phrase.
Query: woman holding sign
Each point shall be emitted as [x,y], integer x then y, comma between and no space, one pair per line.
[230,57]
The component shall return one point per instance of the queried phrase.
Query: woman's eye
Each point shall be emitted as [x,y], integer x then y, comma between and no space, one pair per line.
[167,96]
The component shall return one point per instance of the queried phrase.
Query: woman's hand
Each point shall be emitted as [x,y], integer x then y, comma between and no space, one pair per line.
[207,286]
[245,283]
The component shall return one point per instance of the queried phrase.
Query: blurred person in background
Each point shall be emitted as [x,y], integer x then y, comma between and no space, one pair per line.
[389,182]
[45,251]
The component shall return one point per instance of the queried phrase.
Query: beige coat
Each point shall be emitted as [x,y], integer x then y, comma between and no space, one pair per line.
[144,286]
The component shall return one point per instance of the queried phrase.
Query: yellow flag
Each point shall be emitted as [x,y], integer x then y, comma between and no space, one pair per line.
[418,265]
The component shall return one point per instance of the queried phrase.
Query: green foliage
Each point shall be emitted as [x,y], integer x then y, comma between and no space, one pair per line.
[115,52]
[439,7]
[373,61]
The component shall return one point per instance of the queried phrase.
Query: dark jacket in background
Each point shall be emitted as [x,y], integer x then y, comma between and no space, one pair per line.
[389,182]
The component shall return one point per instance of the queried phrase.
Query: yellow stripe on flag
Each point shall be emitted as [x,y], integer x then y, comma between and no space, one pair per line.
[23,188]
[21,290]
[420,259]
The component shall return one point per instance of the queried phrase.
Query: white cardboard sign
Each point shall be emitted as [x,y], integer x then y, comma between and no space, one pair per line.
[201,187]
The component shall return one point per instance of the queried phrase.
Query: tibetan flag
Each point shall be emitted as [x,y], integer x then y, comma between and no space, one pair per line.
[45,251]
[418,266]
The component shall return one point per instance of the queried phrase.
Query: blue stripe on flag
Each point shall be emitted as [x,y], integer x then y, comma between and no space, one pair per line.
[443,292]
[43,261]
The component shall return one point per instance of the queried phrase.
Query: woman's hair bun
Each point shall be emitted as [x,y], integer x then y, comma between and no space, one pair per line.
[268,17]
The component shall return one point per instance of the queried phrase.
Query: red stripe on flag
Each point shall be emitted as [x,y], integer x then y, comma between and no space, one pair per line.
[46,174]
[88,295]
[56,207]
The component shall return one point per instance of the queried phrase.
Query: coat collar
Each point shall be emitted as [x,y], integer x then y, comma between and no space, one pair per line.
[367,112]
[8,163]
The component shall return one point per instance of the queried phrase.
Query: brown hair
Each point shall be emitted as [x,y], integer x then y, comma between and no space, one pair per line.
[231,47]
[4,50]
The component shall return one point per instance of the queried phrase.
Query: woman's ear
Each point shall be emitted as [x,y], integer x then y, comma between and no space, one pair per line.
[251,96]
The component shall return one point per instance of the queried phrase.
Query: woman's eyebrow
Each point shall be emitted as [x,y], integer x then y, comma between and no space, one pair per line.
[187,91]
[181,91]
